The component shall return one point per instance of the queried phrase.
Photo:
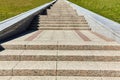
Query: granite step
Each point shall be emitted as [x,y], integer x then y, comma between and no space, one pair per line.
[62,45]
[62,11]
[61,5]
[64,28]
[60,68]
[62,22]
[57,19]
[63,25]
[32,78]
[65,15]
[86,78]
[72,21]
[60,55]
[64,8]
[61,17]
[62,14]
[88,68]
[54,78]
[67,8]
[59,13]
[60,8]
[5,77]
[33,68]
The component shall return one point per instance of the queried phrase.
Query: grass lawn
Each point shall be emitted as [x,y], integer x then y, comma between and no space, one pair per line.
[106,8]
[9,8]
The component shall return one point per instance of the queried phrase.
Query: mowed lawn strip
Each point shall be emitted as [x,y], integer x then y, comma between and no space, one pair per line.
[107,8]
[10,8]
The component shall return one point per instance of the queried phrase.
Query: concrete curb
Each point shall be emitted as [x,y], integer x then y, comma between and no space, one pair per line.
[20,22]
[99,23]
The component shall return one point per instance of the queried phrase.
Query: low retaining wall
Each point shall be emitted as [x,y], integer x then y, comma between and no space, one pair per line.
[98,23]
[20,23]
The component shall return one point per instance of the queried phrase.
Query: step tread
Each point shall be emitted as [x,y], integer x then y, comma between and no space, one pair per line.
[58,78]
[8,65]
[33,78]
[61,65]
[63,28]
[86,65]
[40,65]
[60,53]
[77,43]
[5,77]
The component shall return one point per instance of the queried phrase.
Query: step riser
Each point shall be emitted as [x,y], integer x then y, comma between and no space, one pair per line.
[59,7]
[58,58]
[78,17]
[61,47]
[55,10]
[62,11]
[60,18]
[27,72]
[92,73]
[68,8]
[36,72]
[67,19]
[63,22]
[63,25]
[42,28]
[65,15]
[60,25]
[61,14]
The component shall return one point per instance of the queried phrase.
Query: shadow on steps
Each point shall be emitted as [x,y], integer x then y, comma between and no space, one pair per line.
[16,36]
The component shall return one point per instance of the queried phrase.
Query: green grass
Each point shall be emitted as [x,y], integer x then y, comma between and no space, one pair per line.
[106,8]
[10,8]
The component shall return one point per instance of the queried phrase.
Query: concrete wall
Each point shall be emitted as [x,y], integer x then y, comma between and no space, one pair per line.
[98,23]
[20,23]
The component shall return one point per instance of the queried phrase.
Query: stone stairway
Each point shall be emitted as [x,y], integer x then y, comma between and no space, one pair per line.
[63,48]
[62,17]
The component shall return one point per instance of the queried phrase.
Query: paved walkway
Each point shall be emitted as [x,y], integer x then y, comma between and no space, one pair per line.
[63,48]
